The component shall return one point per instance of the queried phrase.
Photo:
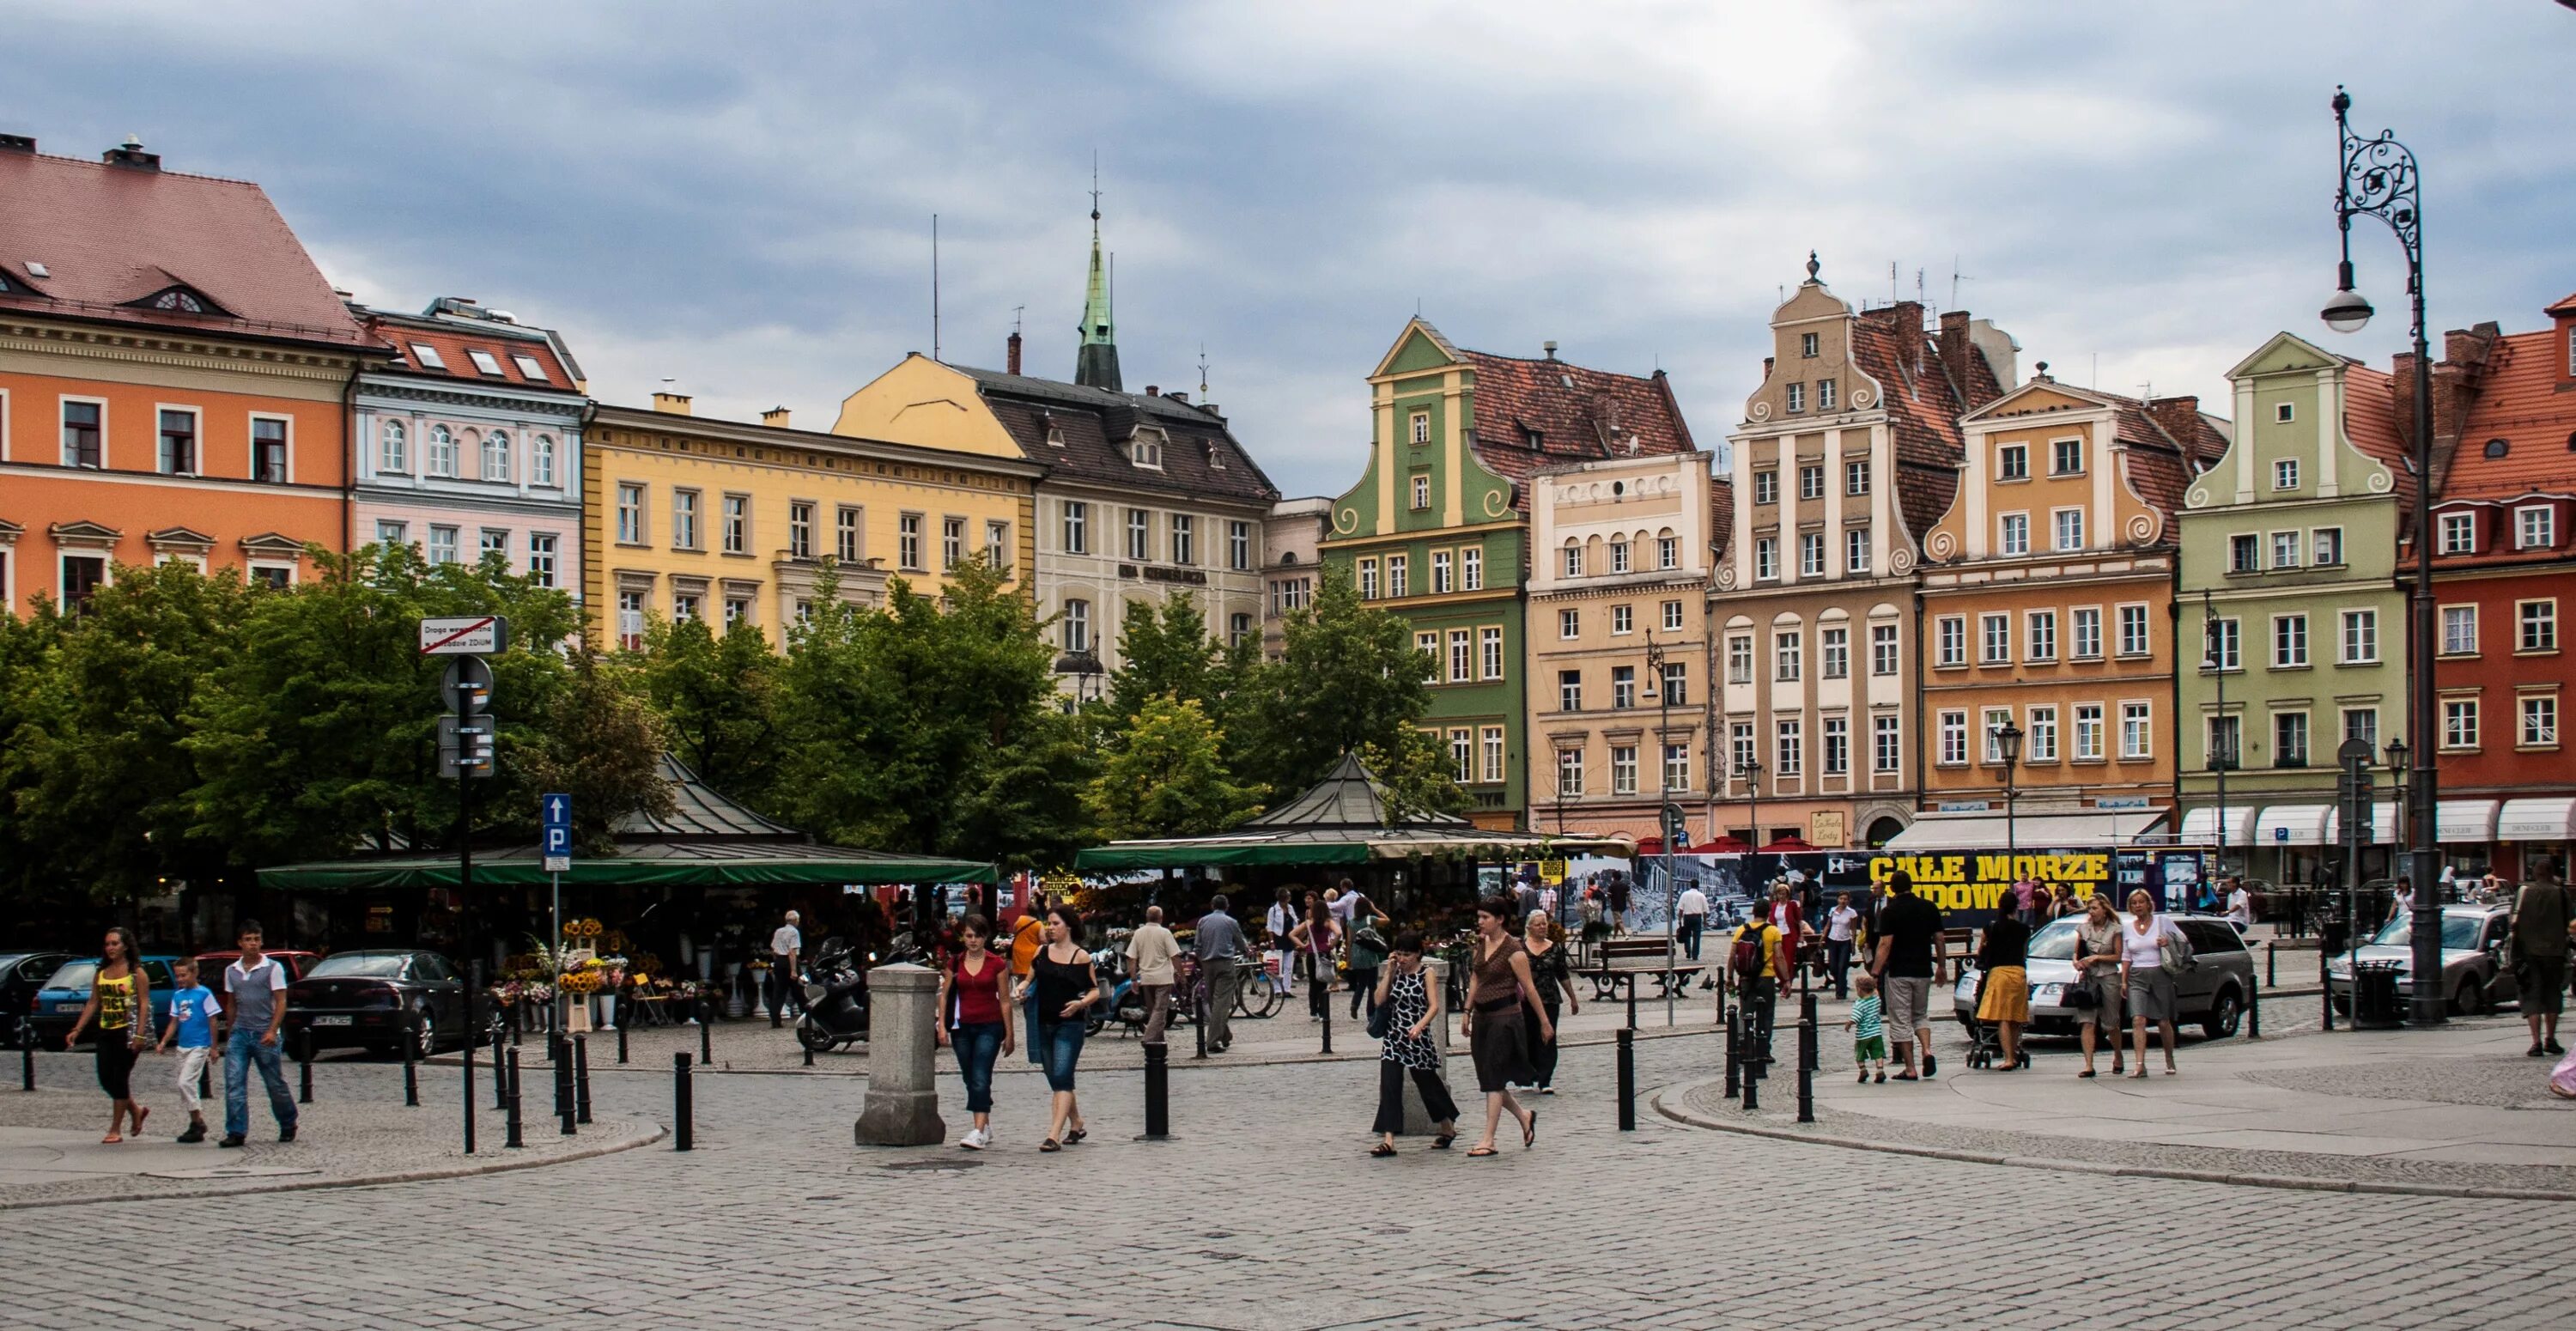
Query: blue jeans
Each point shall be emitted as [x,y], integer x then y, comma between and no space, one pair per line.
[241,1047]
[977,1043]
[1029,1023]
[1059,1045]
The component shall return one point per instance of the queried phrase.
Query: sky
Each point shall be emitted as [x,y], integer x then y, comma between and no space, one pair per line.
[738,196]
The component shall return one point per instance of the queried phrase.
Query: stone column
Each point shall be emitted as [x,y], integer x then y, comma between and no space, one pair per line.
[902,1104]
[1417,1121]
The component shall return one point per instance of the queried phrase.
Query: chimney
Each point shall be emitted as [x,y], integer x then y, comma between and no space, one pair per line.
[1152,391]
[17,143]
[675,403]
[776,416]
[2180,417]
[130,153]
[1956,353]
[1767,363]
[1011,357]
[1177,395]
[1549,347]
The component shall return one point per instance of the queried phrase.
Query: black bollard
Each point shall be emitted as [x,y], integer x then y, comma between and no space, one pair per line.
[1734,1035]
[2254,1013]
[500,1084]
[683,1131]
[26,1056]
[624,1015]
[304,1074]
[1198,1000]
[411,1069]
[510,1101]
[1158,1092]
[1632,1002]
[470,1046]
[1752,1083]
[1627,1080]
[809,1051]
[563,1088]
[2325,986]
[1328,1021]
[1807,1060]
[706,1034]
[581,1078]
[777,1000]
[518,1022]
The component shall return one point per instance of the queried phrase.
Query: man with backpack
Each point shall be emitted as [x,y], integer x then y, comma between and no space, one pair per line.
[1757,959]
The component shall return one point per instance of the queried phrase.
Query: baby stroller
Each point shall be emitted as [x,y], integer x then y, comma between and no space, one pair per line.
[1985,1042]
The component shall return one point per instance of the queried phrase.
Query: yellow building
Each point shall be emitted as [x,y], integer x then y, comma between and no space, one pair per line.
[688,518]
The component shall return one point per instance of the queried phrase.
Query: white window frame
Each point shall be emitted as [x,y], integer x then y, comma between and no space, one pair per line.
[2059,522]
[634,521]
[2012,533]
[1950,641]
[2090,741]
[251,432]
[1886,648]
[196,437]
[2524,621]
[1673,616]
[1766,559]
[1833,651]
[1952,728]
[105,436]
[2084,633]
[2012,462]
[2535,527]
[1856,477]
[1886,744]
[2039,744]
[1994,639]
[393,447]
[2457,737]
[2039,635]
[2289,641]
[2137,722]
[2468,616]
[2285,473]
[1489,645]
[2137,612]
[2459,534]
[1856,550]
[1623,620]
[2367,624]
[1471,568]
[2536,721]
[1569,624]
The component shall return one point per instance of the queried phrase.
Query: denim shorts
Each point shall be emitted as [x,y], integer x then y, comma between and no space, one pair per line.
[1059,1048]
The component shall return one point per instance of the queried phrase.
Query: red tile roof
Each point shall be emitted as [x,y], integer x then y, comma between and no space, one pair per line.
[403,333]
[1923,406]
[111,236]
[2518,400]
[2370,419]
[1721,517]
[1532,414]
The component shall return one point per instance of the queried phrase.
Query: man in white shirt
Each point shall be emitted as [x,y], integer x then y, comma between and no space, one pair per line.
[2240,906]
[1692,909]
[1275,925]
[1150,951]
[785,948]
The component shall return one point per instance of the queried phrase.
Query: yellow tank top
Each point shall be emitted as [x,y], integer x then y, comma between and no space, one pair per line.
[115,1002]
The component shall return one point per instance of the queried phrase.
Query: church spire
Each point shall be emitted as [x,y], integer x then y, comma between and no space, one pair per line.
[1096,363]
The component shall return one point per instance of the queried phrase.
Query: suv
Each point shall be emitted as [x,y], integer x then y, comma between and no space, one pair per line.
[2212,992]
[2474,975]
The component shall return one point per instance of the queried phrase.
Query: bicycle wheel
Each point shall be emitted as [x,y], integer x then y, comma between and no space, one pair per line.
[1256,999]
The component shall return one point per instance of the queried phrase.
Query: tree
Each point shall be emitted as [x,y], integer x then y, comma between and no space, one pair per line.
[1166,777]
[1349,676]
[601,744]
[1417,777]
[1164,652]
[718,698]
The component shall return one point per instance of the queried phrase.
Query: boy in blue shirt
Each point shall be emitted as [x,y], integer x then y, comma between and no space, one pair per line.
[192,1023]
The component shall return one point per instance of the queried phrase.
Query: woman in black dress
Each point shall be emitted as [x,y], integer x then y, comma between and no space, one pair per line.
[1555,978]
[1408,1049]
[1499,988]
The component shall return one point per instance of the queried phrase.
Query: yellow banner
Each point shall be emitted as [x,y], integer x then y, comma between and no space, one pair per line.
[1975,880]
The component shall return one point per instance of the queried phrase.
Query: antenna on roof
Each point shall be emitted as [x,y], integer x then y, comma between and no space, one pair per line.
[1955,279]
[1892,289]
[1202,373]
[2147,391]
[1918,286]
[1016,311]
[934,286]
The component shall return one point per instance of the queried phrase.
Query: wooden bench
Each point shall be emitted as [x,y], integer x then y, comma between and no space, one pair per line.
[1620,961]
[1957,948]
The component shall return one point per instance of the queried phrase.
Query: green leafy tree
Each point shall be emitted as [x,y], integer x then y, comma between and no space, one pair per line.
[719,700]
[1415,774]
[1164,652]
[1348,676]
[30,660]
[601,743]
[1166,777]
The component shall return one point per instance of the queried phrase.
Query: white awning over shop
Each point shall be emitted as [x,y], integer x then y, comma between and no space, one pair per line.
[1988,830]
[2531,820]
[2203,826]
[2465,822]
[2293,825]
[2383,825]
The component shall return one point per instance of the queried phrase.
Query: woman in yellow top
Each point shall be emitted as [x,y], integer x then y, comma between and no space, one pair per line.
[117,994]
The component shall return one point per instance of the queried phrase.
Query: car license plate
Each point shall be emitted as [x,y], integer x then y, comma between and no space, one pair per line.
[69,1007]
[331,1021]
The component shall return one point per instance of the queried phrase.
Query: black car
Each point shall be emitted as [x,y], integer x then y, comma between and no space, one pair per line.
[21,975]
[368,999]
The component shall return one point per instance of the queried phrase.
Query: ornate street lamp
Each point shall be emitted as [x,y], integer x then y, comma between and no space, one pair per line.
[1085,667]
[2379,179]
[2221,755]
[2008,742]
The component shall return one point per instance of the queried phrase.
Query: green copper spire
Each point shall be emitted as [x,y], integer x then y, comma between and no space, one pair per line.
[1096,363]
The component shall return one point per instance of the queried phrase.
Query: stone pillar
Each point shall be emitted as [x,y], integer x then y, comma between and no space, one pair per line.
[902,1104]
[1417,1121]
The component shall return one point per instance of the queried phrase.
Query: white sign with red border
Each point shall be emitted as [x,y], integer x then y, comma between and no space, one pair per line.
[463,635]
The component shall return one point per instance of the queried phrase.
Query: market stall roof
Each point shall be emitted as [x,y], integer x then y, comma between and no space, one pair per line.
[707,841]
[1344,819]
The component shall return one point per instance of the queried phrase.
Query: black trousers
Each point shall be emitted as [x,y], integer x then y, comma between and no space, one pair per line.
[1363,990]
[1543,1052]
[1319,990]
[1390,1096]
[1759,994]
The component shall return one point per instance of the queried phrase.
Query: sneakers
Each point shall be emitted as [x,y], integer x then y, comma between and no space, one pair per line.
[232,1139]
[976,1139]
[196,1133]
[2535,1052]
[286,1134]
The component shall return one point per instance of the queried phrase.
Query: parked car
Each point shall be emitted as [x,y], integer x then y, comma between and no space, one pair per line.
[66,992]
[2474,975]
[211,966]
[367,998]
[22,974]
[2212,993]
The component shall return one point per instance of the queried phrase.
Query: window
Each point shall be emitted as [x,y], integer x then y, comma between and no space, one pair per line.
[2069,523]
[1618,556]
[1954,739]
[952,542]
[1994,639]
[1766,558]
[2459,534]
[2285,474]
[1672,616]
[1428,643]
[2459,723]
[1677,683]
[529,368]
[684,607]
[737,610]
[1368,579]
[1569,690]
[178,443]
[1856,477]
[1399,575]
[1677,767]
[1739,658]
[1422,427]
[1740,739]
[630,514]
[1421,491]
[496,456]
[1569,624]
[1077,527]
[907,541]
[2289,641]
[2539,625]
[1440,572]
[1288,595]
[427,357]
[2088,732]
[2016,534]
[2289,739]
[2223,744]
[2362,723]
[1886,744]
[997,546]
[268,450]
[275,577]
[2360,637]
[2244,553]
[1784,656]
[1856,550]
[1185,536]
[1788,757]
[1797,397]
[442,545]
[1462,665]
[684,520]
[391,534]
[1811,554]
[1836,735]
[1569,771]
[1824,395]
[737,524]
[1490,644]
[2065,457]
[494,543]
[1950,641]
[1462,754]
[484,363]
[1489,742]
[1077,626]
[2284,412]
[2535,528]
[541,558]
[2133,630]
[1882,649]
[2012,462]
[2086,625]
[2137,729]
[1146,450]
[1668,552]
[630,621]
[1238,626]
[2540,722]
[1991,728]
[1238,546]
[1623,687]
[1623,619]
[1833,653]
[1807,347]
[442,452]
[1140,535]
[1471,569]
[1811,481]
[2285,549]
[845,533]
[2039,742]
[2225,645]
[2325,547]
[1623,769]
[2039,635]
[1766,487]
[391,454]
[1573,560]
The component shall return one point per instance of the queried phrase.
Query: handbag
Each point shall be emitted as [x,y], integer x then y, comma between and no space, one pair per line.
[1381,1021]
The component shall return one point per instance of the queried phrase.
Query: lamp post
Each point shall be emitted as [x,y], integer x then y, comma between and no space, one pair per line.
[1084,665]
[2008,743]
[2379,179]
[2220,754]
[1663,695]
[2397,782]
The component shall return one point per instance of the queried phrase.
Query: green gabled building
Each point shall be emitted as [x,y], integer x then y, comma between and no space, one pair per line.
[1437,528]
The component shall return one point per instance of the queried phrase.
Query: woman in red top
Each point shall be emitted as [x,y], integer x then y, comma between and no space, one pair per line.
[975,1019]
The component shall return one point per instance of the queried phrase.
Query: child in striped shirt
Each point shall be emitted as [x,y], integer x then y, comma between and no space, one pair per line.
[1869,1034]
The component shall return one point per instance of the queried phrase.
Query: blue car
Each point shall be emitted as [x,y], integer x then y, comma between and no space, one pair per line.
[59,1003]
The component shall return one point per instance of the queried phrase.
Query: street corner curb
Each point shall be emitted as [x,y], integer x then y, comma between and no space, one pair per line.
[653,1132]
[1686,1118]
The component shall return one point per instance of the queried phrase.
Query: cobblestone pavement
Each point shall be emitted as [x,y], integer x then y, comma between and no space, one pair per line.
[1263,1214]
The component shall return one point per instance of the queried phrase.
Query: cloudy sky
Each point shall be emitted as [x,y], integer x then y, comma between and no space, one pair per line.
[739,195]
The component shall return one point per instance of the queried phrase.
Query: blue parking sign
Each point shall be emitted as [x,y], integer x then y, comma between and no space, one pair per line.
[554,815]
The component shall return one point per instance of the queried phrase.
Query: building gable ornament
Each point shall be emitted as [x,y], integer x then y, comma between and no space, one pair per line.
[272,544]
[84,535]
[185,540]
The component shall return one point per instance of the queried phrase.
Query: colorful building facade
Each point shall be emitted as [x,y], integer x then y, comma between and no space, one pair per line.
[1292,540]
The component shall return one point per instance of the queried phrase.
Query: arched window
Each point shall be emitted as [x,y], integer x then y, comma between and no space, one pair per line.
[392,455]
[544,465]
[442,451]
[496,456]
[1573,558]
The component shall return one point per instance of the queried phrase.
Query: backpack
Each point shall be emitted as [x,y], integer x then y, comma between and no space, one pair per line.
[1748,957]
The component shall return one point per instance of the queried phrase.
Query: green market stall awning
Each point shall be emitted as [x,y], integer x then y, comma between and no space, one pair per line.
[707,841]
[1343,820]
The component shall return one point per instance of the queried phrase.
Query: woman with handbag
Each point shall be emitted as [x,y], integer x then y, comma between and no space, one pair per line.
[1555,978]
[2149,947]
[1066,986]
[2095,995]
[120,998]
[1315,938]
[1407,1006]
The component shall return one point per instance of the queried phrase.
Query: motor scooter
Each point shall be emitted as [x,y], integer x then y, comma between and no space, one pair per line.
[836,1001]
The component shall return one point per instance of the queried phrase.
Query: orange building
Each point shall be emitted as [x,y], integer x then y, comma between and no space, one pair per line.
[2048,610]
[174,377]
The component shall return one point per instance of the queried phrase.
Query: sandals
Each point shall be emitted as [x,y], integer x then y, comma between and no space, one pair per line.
[1074,1138]
[1529,1130]
[1481,1152]
[1441,1142]
[1382,1150]
[111,1139]
[1050,1144]
[2085,1073]
[141,1113]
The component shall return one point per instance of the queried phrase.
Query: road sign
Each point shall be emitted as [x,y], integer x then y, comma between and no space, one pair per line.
[465,745]
[2280,834]
[554,819]
[467,686]
[464,635]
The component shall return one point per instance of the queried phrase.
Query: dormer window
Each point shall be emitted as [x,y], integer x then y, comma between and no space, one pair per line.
[1055,436]
[1532,439]
[1215,456]
[529,368]
[426,356]
[484,363]
[179,300]
[2497,448]
[1146,450]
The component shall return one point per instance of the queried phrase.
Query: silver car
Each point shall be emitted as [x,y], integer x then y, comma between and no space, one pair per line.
[2474,976]
[2212,992]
